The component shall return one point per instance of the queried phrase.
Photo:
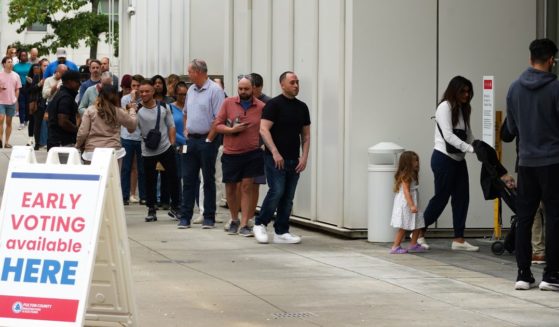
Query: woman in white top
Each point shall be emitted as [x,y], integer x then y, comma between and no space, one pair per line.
[453,138]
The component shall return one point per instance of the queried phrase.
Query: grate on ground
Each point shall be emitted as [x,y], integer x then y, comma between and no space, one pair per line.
[284,315]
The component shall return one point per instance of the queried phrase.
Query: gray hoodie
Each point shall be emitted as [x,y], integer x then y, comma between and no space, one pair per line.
[533,116]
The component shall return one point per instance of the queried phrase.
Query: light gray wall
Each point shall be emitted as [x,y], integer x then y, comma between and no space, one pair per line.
[164,35]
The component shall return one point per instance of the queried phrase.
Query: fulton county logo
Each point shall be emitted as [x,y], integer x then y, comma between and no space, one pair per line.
[17,307]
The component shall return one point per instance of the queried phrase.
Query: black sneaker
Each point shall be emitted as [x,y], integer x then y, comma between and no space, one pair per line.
[246,231]
[233,227]
[143,202]
[173,214]
[183,224]
[126,202]
[151,215]
[525,280]
[550,282]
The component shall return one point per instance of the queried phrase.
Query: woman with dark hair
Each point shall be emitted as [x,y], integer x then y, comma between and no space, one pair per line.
[453,138]
[100,126]
[160,87]
[34,96]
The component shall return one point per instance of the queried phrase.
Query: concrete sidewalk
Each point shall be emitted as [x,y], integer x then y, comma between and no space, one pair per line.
[198,277]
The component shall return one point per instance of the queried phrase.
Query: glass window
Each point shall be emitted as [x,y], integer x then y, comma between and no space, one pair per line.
[37,27]
[104,9]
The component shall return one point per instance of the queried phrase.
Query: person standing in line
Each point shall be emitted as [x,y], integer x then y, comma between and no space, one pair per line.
[60,59]
[151,112]
[63,111]
[106,67]
[239,121]
[22,69]
[10,85]
[285,128]
[132,172]
[532,116]
[94,77]
[203,101]
[34,56]
[92,92]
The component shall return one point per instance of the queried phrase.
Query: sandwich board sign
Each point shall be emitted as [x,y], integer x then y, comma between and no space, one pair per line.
[488,116]
[64,254]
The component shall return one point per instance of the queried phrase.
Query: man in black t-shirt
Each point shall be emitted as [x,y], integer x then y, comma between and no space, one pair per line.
[285,127]
[62,111]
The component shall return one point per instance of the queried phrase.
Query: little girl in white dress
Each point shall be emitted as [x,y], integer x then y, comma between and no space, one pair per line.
[405,215]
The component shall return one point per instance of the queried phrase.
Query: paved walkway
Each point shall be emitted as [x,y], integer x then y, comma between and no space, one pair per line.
[201,277]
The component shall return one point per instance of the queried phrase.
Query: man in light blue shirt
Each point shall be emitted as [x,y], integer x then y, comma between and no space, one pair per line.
[203,103]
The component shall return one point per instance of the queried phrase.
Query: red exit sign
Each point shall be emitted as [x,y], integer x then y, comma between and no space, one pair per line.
[487,84]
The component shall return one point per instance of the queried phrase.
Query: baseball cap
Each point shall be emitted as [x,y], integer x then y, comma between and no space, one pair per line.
[126,81]
[60,53]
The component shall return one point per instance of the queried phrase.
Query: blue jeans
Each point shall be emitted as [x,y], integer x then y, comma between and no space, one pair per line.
[282,185]
[451,180]
[200,155]
[22,100]
[133,148]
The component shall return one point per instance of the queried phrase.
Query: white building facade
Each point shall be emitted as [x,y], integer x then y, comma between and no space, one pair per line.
[9,35]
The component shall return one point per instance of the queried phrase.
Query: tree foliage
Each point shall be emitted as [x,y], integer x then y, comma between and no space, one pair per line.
[71,21]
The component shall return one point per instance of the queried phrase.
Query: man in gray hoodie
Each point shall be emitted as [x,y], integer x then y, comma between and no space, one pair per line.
[533,116]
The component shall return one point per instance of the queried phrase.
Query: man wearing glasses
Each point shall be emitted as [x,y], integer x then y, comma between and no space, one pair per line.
[203,101]
[285,128]
[239,121]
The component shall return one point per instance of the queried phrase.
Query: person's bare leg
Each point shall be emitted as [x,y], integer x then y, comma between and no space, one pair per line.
[414,237]
[246,200]
[8,130]
[232,200]
[2,118]
[398,238]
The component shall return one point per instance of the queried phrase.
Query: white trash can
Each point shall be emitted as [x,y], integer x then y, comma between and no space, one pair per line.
[383,162]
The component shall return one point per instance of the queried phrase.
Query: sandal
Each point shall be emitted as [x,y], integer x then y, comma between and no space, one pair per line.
[398,250]
[417,248]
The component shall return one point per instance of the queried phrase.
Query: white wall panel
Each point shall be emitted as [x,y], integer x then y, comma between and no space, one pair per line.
[242,29]
[262,43]
[305,65]
[330,122]
[282,39]
[495,43]
[392,90]
[207,36]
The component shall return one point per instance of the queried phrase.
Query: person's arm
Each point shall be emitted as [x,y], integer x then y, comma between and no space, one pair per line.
[83,131]
[216,102]
[265,127]
[63,116]
[170,122]
[47,88]
[407,195]
[506,135]
[305,144]
[172,135]
[85,102]
[443,117]
[127,118]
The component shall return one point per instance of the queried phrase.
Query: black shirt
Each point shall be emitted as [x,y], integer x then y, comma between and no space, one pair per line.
[289,117]
[64,102]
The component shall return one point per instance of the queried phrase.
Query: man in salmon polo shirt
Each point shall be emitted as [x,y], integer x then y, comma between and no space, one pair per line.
[242,160]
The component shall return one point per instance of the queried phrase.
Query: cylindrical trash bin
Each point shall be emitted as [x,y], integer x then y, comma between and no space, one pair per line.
[383,162]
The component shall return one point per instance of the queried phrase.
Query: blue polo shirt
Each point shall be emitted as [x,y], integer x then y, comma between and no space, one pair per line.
[202,106]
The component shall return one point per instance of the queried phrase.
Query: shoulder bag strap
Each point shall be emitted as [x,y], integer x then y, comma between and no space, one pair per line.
[158,115]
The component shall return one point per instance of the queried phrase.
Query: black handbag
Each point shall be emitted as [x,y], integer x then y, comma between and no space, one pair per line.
[153,138]
[460,133]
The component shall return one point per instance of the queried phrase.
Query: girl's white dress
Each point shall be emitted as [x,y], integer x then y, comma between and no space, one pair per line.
[402,217]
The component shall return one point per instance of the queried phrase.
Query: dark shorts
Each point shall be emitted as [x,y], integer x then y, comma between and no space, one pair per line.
[261,180]
[245,165]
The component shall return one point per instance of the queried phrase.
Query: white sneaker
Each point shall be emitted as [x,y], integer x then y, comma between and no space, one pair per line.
[421,241]
[227,224]
[198,220]
[457,246]
[31,141]
[260,233]
[21,126]
[286,238]
[134,199]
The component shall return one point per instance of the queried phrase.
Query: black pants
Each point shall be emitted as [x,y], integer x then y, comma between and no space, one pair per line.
[167,159]
[451,180]
[535,184]
[37,122]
